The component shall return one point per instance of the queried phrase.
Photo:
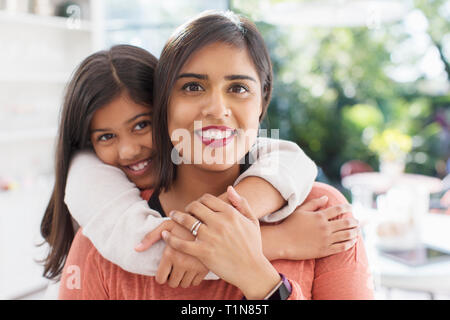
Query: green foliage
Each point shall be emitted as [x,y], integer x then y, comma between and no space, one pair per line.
[333,93]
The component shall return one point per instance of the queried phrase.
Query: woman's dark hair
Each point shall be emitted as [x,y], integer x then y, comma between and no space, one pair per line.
[99,79]
[209,27]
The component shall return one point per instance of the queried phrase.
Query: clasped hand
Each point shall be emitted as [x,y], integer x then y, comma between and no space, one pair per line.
[312,231]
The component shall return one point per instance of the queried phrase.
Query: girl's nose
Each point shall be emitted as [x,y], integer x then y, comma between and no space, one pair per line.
[129,150]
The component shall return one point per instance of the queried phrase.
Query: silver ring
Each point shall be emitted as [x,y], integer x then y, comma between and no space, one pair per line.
[194,225]
[195,228]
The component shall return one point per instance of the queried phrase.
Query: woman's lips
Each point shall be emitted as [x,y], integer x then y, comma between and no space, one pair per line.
[216,136]
[138,168]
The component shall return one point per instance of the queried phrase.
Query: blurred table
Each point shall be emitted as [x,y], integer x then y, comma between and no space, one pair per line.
[432,278]
[380,183]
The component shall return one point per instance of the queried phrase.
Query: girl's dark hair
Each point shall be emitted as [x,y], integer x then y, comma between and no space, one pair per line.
[99,79]
[209,27]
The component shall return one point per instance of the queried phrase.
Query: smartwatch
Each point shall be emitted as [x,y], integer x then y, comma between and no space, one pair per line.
[282,290]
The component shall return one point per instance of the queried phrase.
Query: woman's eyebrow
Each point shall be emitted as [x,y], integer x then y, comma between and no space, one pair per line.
[193,75]
[205,77]
[239,77]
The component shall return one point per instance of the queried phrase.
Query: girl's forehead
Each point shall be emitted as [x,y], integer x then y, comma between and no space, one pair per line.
[118,111]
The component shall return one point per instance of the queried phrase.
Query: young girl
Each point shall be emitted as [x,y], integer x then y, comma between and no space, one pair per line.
[105,280]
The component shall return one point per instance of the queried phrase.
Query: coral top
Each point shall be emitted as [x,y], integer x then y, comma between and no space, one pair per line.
[87,275]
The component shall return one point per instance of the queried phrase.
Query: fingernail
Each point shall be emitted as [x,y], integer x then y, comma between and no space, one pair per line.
[233,191]
[139,246]
[165,234]
[171,213]
[323,198]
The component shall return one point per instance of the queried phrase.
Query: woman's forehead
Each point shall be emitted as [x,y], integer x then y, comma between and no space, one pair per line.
[221,58]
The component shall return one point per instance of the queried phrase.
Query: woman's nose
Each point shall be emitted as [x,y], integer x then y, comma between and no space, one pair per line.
[217,106]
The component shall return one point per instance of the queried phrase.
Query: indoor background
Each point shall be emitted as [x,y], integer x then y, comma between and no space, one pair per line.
[363,86]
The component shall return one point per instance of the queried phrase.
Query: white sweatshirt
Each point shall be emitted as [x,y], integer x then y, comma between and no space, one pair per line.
[115,218]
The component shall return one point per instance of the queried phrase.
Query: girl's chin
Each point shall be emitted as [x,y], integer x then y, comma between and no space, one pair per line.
[142,184]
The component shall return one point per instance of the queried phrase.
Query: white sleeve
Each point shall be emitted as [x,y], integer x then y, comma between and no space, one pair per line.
[287,168]
[112,214]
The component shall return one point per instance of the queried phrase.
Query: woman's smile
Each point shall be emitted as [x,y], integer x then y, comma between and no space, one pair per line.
[216,136]
[219,104]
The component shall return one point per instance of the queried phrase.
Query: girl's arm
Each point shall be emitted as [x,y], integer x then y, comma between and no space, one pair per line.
[279,179]
[286,175]
[112,213]
[229,240]
[311,232]
[229,243]
[107,205]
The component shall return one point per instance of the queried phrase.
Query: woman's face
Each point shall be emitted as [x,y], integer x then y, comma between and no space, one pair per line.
[215,107]
[121,135]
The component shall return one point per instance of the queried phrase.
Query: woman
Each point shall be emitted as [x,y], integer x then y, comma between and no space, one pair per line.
[107,110]
[192,86]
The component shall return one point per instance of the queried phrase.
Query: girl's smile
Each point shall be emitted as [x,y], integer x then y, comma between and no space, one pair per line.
[122,137]
[138,168]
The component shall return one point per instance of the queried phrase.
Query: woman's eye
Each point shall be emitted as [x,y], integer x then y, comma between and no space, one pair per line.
[192,87]
[105,137]
[239,89]
[141,125]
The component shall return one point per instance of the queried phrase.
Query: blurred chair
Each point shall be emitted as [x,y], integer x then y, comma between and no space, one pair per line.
[354,166]
[445,201]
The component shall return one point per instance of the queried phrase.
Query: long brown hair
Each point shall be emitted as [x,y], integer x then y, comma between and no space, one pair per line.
[209,27]
[99,79]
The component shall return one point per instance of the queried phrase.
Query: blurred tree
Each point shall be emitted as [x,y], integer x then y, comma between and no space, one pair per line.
[335,89]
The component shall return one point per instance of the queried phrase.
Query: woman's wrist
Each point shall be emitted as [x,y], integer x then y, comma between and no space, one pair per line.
[261,282]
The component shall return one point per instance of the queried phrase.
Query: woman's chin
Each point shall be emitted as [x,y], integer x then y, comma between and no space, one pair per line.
[216,167]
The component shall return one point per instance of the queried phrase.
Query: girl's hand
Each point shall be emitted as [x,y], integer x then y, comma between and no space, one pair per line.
[176,268]
[310,231]
[228,243]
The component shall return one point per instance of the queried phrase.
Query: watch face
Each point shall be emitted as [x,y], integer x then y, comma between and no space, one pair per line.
[285,292]
[282,293]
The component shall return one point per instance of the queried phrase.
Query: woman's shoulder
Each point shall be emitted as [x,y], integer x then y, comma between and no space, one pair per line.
[73,271]
[350,266]
[320,189]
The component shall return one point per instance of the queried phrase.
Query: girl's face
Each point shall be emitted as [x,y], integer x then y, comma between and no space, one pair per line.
[215,107]
[121,135]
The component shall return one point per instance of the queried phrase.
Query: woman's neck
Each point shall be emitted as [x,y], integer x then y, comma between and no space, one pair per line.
[192,182]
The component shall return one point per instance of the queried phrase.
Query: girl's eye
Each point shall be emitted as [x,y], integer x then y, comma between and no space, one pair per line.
[239,89]
[105,137]
[192,87]
[141,125]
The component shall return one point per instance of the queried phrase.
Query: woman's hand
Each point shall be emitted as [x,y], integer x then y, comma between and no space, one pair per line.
[313,232]
[176,268]
[228,243]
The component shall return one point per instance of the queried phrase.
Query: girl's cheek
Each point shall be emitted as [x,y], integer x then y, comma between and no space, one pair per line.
[147,140]
[107,154]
